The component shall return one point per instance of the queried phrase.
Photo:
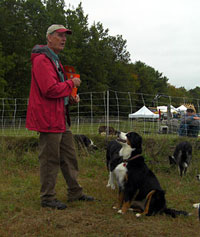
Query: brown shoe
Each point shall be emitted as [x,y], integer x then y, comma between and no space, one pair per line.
[54,204]
[85,198]
[82,198]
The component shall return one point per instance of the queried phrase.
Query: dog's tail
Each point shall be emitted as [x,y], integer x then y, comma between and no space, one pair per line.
[174,213]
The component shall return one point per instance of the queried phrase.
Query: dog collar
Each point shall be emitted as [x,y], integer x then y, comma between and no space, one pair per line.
[125,162]
[134,157]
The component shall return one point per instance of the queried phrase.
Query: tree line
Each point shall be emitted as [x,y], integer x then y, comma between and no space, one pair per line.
[102,60]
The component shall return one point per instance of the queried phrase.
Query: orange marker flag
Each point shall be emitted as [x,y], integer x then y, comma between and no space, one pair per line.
[70,73]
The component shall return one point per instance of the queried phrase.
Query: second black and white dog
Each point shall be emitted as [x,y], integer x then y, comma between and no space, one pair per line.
[197,205]
[117,151]
[84,142]
[138,186]
[182,157]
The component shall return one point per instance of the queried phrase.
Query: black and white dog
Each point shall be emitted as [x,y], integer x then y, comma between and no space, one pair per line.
[197,205]
[103,130]
[84,142]
[117,151]
[182,157]
[138,186]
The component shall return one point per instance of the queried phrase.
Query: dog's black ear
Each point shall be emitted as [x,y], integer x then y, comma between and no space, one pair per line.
[135,140]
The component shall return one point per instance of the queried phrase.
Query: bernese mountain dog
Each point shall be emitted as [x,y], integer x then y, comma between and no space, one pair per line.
[139,188]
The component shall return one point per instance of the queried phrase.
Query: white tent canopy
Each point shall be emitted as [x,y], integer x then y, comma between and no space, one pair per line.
[163,109]
[182,108]
[144,112]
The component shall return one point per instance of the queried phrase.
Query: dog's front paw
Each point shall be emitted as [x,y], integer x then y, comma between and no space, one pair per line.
[114,207]
[112,186]
[138,215]
[120,212]
[196,205]
[108,185]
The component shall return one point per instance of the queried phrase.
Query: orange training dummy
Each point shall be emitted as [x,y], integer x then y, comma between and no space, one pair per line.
[70,73]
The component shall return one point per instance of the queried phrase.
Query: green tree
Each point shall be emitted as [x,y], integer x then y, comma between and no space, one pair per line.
[14,39]
[151,81]
[25,24]
[102,60]
[6,64]
[73,52]
[118,46]
[194,93]
[56,11]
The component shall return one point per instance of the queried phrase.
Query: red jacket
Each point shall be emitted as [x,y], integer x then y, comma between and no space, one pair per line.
[45,112]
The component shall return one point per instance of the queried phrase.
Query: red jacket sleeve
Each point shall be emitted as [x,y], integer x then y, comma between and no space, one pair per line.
[48,80]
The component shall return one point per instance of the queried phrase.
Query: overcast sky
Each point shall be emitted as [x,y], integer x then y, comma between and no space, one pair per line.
[164,34]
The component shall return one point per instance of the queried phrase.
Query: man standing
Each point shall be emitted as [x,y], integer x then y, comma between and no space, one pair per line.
[47,113]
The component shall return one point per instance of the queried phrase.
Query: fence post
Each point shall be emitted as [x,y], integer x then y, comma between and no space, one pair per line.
[78,121]
[2,117]
[91,112]
[107,117]
[117,109]
[144,118]
[104,104]
[169,115]
[131,121]
[14,115]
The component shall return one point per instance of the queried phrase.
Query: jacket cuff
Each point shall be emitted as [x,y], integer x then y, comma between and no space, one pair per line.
[70,83]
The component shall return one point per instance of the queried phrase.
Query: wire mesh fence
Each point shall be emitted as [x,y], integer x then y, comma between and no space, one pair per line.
[107,108]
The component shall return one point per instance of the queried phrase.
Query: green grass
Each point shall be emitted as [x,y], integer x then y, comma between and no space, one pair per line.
[91,128]
[21,214]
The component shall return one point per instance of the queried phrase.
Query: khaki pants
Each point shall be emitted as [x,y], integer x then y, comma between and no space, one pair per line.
[57,150]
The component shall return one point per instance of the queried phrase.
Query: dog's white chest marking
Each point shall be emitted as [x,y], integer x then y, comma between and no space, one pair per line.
[125,151]
[120,173]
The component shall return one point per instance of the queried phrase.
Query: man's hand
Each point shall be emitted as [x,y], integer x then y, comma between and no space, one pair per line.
[74,100]
[76,81]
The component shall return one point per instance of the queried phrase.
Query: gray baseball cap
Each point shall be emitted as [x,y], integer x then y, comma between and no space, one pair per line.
[57,28]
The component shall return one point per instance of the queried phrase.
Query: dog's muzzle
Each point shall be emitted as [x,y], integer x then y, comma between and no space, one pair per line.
[121,140]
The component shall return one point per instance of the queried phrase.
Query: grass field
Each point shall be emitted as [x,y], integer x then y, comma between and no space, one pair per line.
[142,126]
[21,214]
